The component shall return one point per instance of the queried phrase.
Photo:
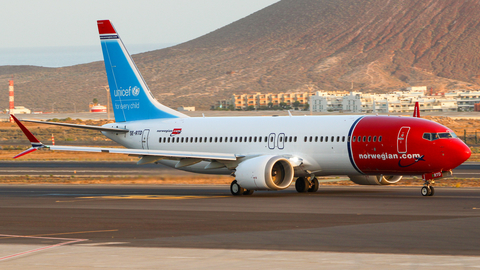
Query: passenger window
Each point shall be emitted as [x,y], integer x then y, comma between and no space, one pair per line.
[271,139]
[369,138]
[305,139]
[255,139]
[380,139]
[310,138]
[200,139]
[295,139]
[354,137]
[374,138]
[240,139]
[231,139]
[321,138]
[316,138]
[250,139]
[220,139]
[260,139]
[332,139]
[245,139]
[178,139]
[211,139]
[343,139]
[236,139]
[326,138]
[338,138]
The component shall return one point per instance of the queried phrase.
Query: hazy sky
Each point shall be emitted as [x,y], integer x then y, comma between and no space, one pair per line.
[38,23]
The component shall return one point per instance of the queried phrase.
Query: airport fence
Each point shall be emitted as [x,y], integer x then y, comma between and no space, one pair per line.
[470,138]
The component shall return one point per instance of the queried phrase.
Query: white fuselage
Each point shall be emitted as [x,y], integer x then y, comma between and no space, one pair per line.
[247,136]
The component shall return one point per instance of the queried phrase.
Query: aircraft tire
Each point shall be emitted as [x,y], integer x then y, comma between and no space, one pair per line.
[236,189]
[425,191]
[432,191]
[315,185]
[301,185]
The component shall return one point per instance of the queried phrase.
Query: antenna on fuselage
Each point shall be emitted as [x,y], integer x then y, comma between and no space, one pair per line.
[416,111]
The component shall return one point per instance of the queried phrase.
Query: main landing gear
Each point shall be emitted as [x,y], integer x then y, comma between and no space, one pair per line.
[302,184]
[237,190]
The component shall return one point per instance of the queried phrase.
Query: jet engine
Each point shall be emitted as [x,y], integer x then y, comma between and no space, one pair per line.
[375,179]
[265,172]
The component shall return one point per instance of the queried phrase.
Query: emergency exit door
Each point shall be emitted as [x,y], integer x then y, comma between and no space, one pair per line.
[145,138]
[402,140]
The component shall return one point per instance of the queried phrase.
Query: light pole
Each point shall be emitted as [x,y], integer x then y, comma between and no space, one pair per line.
[107,88]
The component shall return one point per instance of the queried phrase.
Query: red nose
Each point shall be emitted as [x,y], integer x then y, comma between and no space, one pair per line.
[457,153]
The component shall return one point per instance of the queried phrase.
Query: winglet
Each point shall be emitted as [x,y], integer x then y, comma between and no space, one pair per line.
[36,144]
[416,111]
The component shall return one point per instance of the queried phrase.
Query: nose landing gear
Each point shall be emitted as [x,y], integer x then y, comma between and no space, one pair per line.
[427,189]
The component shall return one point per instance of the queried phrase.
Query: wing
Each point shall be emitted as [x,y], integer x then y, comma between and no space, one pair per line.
[148,156]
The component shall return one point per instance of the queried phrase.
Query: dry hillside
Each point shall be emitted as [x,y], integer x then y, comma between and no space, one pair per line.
[379,45]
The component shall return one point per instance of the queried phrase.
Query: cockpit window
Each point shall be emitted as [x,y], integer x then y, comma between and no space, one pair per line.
[440,135]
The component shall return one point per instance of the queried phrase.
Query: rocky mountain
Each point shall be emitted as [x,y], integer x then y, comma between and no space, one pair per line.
[378,45]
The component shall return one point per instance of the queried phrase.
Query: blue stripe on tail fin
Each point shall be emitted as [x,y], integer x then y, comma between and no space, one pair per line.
[131,98]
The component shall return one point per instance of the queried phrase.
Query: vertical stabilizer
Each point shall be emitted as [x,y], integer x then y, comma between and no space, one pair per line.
[131,98]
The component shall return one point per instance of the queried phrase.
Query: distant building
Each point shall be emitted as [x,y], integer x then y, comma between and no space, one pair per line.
[186,109]
[399,101]
[259,100]
[19,110]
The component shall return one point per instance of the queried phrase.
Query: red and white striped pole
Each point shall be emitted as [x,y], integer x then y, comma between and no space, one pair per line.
[10,98]
[53,140]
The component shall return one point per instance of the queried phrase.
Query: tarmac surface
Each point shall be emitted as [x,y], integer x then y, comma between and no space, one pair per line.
[187,226]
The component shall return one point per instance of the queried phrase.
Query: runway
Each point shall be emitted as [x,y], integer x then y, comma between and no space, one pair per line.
[357,220]
[466,170]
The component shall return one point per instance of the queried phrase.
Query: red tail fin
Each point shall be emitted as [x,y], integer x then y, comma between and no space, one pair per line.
[416,111]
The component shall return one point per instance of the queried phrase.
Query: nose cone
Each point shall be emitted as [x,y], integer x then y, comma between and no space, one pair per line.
[456,153]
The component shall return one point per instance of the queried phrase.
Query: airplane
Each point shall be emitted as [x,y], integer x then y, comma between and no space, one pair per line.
[265,153]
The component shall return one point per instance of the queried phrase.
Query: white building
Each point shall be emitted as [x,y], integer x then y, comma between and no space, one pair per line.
[398,102]
[186,109]
[326,101]
[19,110]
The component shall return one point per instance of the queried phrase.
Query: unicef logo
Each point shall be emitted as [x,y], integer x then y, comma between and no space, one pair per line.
[135,91]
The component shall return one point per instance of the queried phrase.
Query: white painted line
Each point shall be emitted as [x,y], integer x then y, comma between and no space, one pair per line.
[69,241]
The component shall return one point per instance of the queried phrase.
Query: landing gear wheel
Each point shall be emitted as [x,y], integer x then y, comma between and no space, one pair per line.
[236,189]
[302,185]
[314,185]
[432,191]
[248,192]
[426,191]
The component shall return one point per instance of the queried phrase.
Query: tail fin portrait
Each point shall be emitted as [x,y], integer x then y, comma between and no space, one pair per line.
[131,98]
